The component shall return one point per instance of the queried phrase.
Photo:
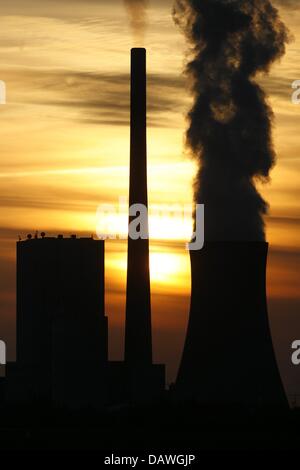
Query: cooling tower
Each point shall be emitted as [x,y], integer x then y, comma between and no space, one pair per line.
[228,356]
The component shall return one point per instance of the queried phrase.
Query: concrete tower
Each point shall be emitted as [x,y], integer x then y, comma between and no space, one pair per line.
[145,380]
[228,358]
[138,342]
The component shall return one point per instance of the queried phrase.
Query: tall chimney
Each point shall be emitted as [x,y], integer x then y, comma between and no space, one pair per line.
[138,340]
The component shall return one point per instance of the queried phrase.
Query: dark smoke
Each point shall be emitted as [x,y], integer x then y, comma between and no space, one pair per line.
[230,123]
[137,11]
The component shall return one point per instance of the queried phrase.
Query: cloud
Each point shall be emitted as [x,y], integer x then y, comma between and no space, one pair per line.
[294,4]
[101,98]
[137,11]
[289,221]
[97,98]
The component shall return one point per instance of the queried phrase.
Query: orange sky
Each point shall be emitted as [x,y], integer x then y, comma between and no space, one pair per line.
[65,150]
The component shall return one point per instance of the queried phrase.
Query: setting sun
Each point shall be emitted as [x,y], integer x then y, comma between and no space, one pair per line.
[165,268]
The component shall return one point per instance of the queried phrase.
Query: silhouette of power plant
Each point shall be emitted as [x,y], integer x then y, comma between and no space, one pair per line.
[61,325]
[62,331]
[145,377]
[228,356]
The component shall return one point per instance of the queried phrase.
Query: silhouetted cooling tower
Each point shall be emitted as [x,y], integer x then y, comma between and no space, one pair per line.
[138,341]
[228,356]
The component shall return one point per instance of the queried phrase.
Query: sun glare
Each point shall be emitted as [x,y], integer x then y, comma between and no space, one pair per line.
[164,267]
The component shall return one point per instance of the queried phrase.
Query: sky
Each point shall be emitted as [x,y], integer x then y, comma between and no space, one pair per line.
[64,143]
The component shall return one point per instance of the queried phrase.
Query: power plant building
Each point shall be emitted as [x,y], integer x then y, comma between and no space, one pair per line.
[61,323]
[62,330]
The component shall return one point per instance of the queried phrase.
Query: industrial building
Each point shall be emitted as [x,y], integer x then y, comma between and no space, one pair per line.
[61,323]
[62,330]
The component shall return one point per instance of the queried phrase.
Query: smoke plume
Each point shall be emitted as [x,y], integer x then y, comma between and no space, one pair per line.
[230,123]
[137,11]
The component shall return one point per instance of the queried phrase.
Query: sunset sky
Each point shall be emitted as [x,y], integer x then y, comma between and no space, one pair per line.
[65,151]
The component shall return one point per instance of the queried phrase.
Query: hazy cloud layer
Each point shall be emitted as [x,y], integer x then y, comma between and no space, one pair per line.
[137,11]
[294,4]
[99,98]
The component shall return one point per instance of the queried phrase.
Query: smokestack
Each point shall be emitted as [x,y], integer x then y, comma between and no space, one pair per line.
[138,340]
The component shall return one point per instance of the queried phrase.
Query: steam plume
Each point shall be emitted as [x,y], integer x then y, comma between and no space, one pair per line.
[230,123]
[137,17]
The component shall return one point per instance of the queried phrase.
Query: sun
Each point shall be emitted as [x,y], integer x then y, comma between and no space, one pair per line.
[164,267]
